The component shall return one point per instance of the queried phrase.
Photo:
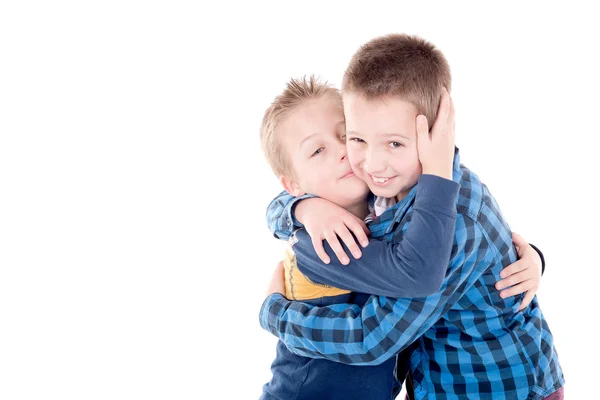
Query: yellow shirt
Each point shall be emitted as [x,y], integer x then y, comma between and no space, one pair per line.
[298,286]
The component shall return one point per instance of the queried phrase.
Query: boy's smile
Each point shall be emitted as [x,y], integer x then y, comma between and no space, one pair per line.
[382,143]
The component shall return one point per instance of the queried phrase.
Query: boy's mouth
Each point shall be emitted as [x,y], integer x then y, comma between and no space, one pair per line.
[348,174]
[380,181]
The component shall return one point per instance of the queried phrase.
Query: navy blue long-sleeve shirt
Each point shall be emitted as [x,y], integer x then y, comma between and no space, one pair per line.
[413,264]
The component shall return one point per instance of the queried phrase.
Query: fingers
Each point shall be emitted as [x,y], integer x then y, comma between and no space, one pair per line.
[451,120]
[515,290]
[513,279]
[452,112]
[277,282]
[518,240]
[513,268]
[318,245]
[519,243]
[445,106]
[527,299]
[333,241]
[360,230]
[365,228]
[422,128]
[348,240]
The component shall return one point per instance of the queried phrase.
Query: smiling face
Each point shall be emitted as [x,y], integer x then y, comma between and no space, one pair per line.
[313,138]
[382,143]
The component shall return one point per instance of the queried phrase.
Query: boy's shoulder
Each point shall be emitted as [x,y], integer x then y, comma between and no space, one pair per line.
[476,203]
[471,194]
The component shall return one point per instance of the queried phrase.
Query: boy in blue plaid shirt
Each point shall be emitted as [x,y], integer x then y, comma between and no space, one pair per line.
[470,340]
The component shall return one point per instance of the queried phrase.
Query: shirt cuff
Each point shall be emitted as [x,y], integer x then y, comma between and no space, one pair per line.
[438,192]
[541,256]
[292,217]
[272,309]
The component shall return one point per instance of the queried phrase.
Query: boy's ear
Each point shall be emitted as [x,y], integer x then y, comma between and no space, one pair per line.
[291,186]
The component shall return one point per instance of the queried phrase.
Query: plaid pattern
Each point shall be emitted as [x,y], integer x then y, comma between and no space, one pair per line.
[280,215]
[472,343]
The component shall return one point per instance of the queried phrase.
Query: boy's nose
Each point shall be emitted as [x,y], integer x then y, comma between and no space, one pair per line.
[343,152]
[373,166]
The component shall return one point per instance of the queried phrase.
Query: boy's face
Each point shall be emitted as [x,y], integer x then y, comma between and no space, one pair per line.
[313,139]
[382,143]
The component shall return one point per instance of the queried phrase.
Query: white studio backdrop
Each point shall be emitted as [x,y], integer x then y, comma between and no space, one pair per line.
[134,251]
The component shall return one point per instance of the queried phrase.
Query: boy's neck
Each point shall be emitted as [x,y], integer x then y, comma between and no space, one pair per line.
[360,209]
[402,195]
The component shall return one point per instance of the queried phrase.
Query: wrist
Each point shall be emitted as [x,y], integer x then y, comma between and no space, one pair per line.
[299,210]
[442,173]
[302,209]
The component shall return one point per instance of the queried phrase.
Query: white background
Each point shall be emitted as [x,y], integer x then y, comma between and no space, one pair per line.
[133,247]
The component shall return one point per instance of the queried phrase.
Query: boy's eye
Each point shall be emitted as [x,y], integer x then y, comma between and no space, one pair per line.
[357,140]
[318,151]
[395,145]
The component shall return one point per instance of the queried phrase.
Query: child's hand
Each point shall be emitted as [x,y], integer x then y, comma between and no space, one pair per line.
[277,284]
[436,150]
[524,275]
[325,220]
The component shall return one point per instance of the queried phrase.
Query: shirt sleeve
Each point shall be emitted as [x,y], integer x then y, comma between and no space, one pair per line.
[384,326]
[280,215]
[413,264]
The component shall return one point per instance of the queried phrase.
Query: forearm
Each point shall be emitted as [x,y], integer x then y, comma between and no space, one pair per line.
[413,265]
[370,335]
[384,326]
[385,268]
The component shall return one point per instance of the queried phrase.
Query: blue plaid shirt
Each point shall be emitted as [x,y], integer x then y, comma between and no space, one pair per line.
[471,343]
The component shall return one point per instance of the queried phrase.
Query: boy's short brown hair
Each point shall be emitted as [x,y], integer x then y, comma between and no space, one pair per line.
[400,65]
[297,91]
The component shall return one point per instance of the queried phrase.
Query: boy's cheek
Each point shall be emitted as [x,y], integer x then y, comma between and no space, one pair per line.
[355,159]
[359,173]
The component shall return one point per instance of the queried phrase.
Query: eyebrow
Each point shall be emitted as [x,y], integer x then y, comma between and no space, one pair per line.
[306,139]
[314,134]
[396,134]
[382,134]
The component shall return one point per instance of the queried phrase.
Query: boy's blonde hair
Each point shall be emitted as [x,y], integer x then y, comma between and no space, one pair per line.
[297,91]
[400,65]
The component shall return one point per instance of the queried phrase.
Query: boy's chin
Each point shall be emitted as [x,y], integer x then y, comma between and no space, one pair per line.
[383,192]
[387,192]
[396,189]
